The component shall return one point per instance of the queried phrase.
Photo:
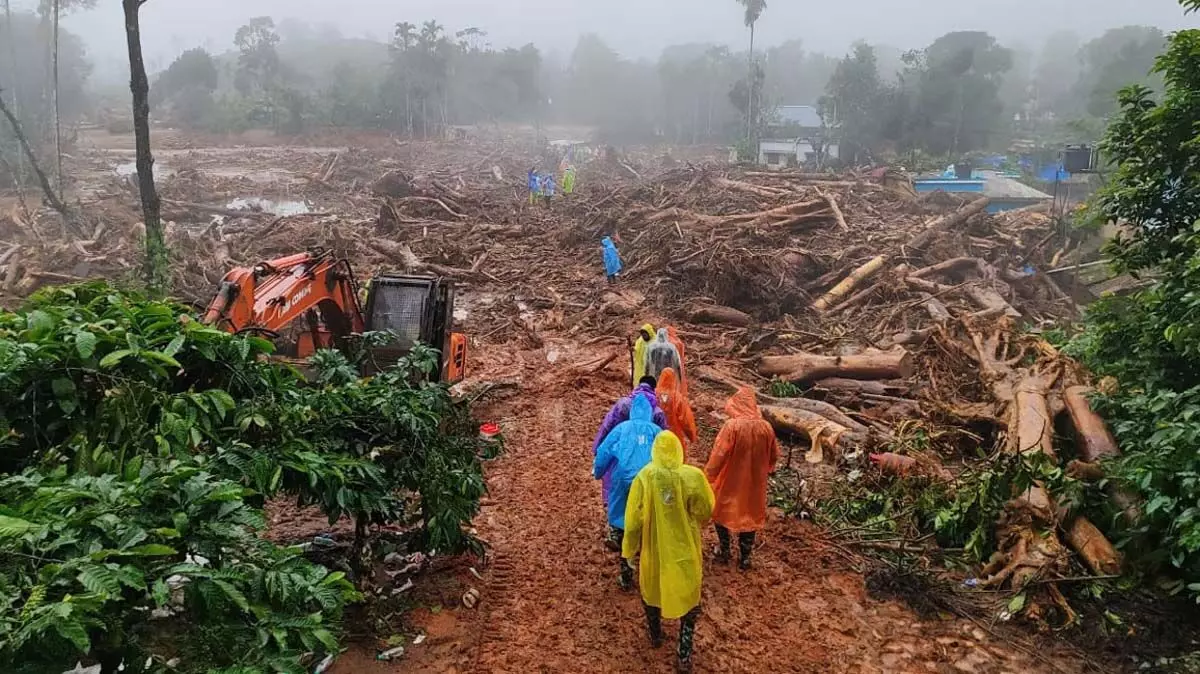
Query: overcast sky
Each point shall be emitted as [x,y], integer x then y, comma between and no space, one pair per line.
[636,28]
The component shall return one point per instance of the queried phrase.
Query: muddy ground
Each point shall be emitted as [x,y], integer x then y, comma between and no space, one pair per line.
[550,602]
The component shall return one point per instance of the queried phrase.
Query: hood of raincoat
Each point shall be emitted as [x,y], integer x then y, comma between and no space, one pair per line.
[648,329]
[667,451]
[668,386]
[662,336]
[641,409]
[743,405]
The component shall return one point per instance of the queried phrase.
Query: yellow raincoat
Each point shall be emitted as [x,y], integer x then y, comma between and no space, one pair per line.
[668,503]
[639,354]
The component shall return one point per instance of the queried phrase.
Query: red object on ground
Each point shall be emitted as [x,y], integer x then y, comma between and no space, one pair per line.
[489,430]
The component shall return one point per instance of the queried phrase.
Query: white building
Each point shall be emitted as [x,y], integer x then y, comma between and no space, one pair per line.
[777,154]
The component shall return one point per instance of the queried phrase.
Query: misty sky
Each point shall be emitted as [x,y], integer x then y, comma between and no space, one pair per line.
[636,28]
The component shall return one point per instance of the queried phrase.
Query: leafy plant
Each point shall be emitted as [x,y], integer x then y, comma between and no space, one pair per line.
[1150,341]
[91,566]
[136,448]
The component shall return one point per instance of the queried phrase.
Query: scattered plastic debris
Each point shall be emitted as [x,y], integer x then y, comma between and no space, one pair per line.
[391,654]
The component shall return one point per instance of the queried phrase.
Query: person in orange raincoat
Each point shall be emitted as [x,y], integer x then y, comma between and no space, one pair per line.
[674,403]
[744,453]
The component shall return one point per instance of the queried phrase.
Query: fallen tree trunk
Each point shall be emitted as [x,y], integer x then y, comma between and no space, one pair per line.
[719,314]
[759,190]
[409,262]
[804,367]
[820,431]
[1096,443]
[827,410]
[950,221]
[859,386]
[1097,552]
[991,301]
[857,276]
[1030,424]
[1093,438]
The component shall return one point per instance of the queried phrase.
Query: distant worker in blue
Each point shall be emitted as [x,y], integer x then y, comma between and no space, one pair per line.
[612,259]
[548,187]
[535,185]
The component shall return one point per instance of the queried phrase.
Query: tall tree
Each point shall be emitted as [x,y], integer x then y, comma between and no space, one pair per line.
[854,102]
[55,9]
[753,10]
[1120,57]
[951,90]
[12,62]
[156,267]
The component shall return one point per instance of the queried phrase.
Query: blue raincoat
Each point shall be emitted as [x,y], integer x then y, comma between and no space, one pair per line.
[612,259]
[623,453]
[534,182]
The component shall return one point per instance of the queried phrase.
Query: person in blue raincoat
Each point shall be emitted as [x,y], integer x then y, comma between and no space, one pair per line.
[612,259]
[535,185]
[621,456]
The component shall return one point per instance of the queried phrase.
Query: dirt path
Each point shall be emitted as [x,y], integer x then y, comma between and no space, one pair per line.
[550,599]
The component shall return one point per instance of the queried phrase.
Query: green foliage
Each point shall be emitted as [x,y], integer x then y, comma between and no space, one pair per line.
[86,560]
[137,441]
[781,388]
[959,514]
[854,97]
[1150,341]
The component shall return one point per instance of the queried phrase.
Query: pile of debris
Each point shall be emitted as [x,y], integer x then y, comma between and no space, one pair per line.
[880,304]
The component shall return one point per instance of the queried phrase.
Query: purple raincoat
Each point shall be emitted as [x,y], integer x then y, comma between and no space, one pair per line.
[620,413]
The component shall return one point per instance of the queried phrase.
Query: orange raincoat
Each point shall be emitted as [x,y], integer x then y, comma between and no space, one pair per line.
[744,454]
[672,398]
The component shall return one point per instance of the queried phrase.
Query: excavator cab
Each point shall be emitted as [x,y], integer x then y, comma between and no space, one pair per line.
[315,294]
[416,309]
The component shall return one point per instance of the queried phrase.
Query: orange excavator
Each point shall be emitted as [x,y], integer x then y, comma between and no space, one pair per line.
[271,296]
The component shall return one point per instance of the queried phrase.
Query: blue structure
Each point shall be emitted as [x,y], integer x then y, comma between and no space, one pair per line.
[1006,194]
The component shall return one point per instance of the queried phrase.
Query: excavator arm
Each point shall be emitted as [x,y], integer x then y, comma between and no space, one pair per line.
[271,295]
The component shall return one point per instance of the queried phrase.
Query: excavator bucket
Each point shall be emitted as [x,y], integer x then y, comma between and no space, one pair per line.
[416,309]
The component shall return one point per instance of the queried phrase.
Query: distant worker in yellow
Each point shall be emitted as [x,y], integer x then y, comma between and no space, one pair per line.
[744,453]
[569,180]
[668,504]
[638,352]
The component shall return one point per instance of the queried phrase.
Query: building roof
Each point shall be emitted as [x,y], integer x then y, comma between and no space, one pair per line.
[1000,187]
[798,115]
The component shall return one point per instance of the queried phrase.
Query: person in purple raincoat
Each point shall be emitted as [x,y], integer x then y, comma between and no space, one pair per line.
[620,413]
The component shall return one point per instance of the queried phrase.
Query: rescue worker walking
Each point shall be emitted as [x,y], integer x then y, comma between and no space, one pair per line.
[618,414]
[668,504]
[612,259]
[638,352]
[661,354]
[534,182]
[623,453]
[569,180]
[744,453]
[681,420]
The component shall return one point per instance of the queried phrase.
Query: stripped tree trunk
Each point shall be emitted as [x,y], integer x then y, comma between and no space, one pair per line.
[156,267]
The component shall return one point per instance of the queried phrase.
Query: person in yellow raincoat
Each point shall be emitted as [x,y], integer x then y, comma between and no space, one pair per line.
[669,502]
[744,453]
[638,352]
